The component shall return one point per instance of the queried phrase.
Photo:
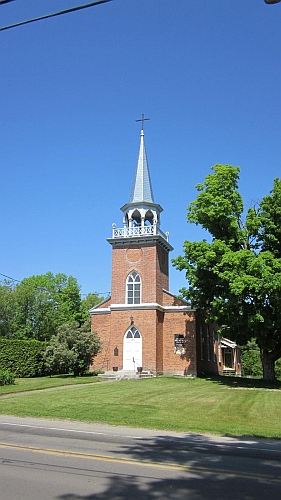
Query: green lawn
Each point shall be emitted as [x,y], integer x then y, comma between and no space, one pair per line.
[33,384]
[221,406]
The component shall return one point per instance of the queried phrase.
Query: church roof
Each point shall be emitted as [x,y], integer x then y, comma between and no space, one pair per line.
[142,189]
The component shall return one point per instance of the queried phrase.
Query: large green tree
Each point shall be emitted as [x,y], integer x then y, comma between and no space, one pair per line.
[45,302]
[235,279]
[38,305]
[89,301]
[7,309]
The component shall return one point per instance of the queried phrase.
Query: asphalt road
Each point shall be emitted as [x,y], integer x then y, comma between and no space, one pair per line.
[62,460]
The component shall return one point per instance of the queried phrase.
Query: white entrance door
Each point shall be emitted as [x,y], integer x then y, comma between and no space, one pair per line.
[132,352]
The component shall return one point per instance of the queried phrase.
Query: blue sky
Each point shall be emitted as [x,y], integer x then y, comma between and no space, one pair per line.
[206,72]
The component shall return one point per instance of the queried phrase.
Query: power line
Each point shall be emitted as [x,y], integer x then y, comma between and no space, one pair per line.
[54,14]
[9,277]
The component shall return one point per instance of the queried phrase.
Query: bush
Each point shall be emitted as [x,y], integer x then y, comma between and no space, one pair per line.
[24,358]
[72,350]
[7,377]
[278,368]
[251,361]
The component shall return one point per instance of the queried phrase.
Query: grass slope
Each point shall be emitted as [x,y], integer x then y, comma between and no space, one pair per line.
[221,406]
[33,384]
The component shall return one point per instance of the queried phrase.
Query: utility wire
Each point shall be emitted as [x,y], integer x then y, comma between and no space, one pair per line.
[47,16]
[9,277]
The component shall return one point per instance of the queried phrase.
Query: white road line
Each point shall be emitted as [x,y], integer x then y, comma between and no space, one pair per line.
[67,430]
[219,445]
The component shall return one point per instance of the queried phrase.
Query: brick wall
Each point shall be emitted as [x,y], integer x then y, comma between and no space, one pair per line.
[101,325]
[207,348]
[159,342]
[177,361]
[111,329]
[150,261]
[157,328]
[171,300]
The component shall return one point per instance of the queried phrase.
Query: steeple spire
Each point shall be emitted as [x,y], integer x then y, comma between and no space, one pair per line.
[141,215]
[142,189]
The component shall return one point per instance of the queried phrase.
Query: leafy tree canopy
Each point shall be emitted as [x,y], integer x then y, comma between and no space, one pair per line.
[45,302]
[7,309]
[91,300]
[235,279]
[38,305]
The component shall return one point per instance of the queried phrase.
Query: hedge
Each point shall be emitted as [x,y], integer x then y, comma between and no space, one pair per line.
[24,358]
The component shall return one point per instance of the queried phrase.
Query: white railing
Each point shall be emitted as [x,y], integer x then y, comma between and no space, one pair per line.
[129,232]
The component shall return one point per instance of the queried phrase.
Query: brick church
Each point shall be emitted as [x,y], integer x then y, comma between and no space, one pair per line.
[142,326]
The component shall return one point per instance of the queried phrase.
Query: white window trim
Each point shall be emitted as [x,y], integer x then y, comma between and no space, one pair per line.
[214,345]
[201,343]
[140,283]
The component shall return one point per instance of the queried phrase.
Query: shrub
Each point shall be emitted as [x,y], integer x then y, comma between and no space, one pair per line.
[72,350]
[251,361]
[278,368]
[7,377]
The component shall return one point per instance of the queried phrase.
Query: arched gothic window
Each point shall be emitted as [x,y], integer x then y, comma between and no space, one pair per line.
[133,288]
[133,333]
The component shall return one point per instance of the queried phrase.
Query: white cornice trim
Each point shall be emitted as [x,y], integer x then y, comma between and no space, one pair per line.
[102,310]
[144,240]
[152,306]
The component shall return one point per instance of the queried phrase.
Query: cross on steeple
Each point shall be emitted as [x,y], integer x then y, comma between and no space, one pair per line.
[142,120]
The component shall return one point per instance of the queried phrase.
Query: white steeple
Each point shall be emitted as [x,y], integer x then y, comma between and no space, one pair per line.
[141,209]
[142,189]
[141,216]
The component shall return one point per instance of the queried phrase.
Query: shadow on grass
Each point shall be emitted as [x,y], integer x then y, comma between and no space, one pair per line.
[192,467]
[248,383]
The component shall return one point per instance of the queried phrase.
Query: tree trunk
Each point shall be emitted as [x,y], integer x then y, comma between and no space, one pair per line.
[268,362]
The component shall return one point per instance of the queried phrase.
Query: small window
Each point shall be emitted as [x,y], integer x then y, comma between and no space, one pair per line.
[219,349]
[133,288]
[208,343]
[201,343]
[214,346]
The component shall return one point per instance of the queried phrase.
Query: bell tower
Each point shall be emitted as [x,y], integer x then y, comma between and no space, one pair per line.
[140,324]
[139,246]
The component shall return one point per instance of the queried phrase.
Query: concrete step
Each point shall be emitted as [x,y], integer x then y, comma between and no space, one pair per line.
[146,375]
[125,375]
